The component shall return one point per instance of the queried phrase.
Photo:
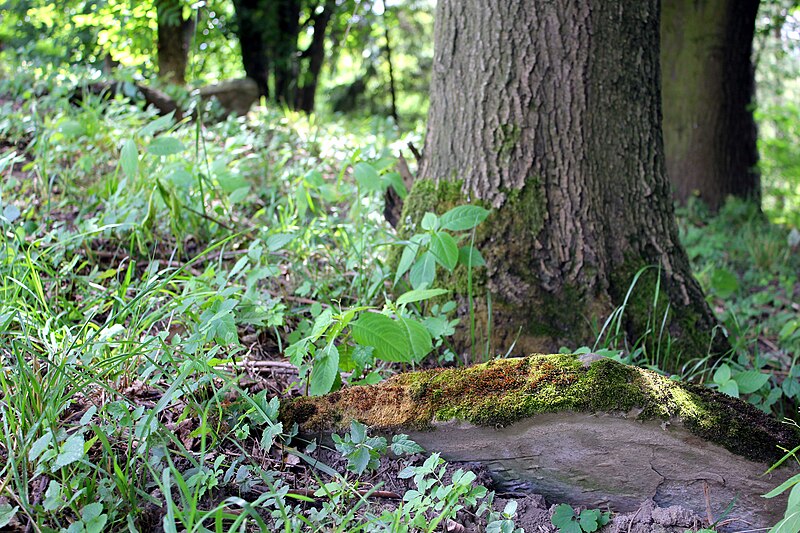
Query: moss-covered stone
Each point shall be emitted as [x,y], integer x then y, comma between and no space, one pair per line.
[503,391]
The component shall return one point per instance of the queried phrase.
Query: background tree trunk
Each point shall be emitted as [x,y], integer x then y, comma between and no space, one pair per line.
[550,112]
[315,54]
[174,39]
[708,88]
[250,22]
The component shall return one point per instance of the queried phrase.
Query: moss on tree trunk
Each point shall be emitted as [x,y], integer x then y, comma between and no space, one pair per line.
[550,113]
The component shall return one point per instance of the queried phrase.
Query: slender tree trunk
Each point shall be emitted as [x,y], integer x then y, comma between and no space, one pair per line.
[708,87]
[307,90]
[550,112]
[250,17]
[174,39]
[282,44]
[392,91]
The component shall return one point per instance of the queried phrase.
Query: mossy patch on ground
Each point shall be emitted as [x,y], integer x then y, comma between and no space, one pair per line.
[504,391]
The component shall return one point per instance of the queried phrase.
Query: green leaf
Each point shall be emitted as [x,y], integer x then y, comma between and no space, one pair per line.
[406,260]
[418,338]
[463,217]
[589,520]
[324,319]
[791,387]
[326,366]
[358,432]
[385,335]
[158,124]
[7,513]
[564,519]
[71,450]
[750,381]
[402,445]
[723,374]
[424,271]
[730,387]
[129,159]
[723,282]
[469,255]
[11,212]
[790,523]
[367,177]
[165,145]
[445,249]
[430,222]
[358,461]
[417,295]
[792,481]
[279,240]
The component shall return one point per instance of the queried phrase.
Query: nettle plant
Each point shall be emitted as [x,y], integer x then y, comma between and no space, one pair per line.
[352,340]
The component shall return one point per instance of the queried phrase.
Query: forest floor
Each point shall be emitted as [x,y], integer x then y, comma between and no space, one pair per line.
[154,275]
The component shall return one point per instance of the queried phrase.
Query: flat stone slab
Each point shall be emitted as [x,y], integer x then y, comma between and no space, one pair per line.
[606,461]
[584,430]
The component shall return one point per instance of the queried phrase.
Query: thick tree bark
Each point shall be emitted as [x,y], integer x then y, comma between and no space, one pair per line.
[707,89]
[550,112]
[174,38]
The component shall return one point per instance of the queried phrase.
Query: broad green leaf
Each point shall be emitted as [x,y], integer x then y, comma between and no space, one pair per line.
[11,212]
[161,123]
[417,295]
[165,145]
[367,177]
[7,513]
[358,460]
[71,450]
[129,159]
[71,128]
[358,432]
[418,338]
[790,523]
[402,445]
[445,249]
[589,519]
[730,387]
[723,282]
[326,367]
[722,374]
[469,255]
[463,217]
[395,180]
[279,240]
[321,324]
[406,260]
[430,222]
[750,381]
[423,272]
[791,387]
[385,335]
[564,519]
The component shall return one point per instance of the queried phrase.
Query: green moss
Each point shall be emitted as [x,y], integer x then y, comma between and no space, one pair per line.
[506,138]
[504,391]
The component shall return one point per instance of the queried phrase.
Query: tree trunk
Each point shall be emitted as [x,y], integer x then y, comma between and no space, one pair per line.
[307,90]
[250,17]
[174,39]
[707,90]
[550,112]
[282,44]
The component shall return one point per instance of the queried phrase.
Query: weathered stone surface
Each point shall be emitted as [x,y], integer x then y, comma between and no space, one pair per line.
[587,431]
